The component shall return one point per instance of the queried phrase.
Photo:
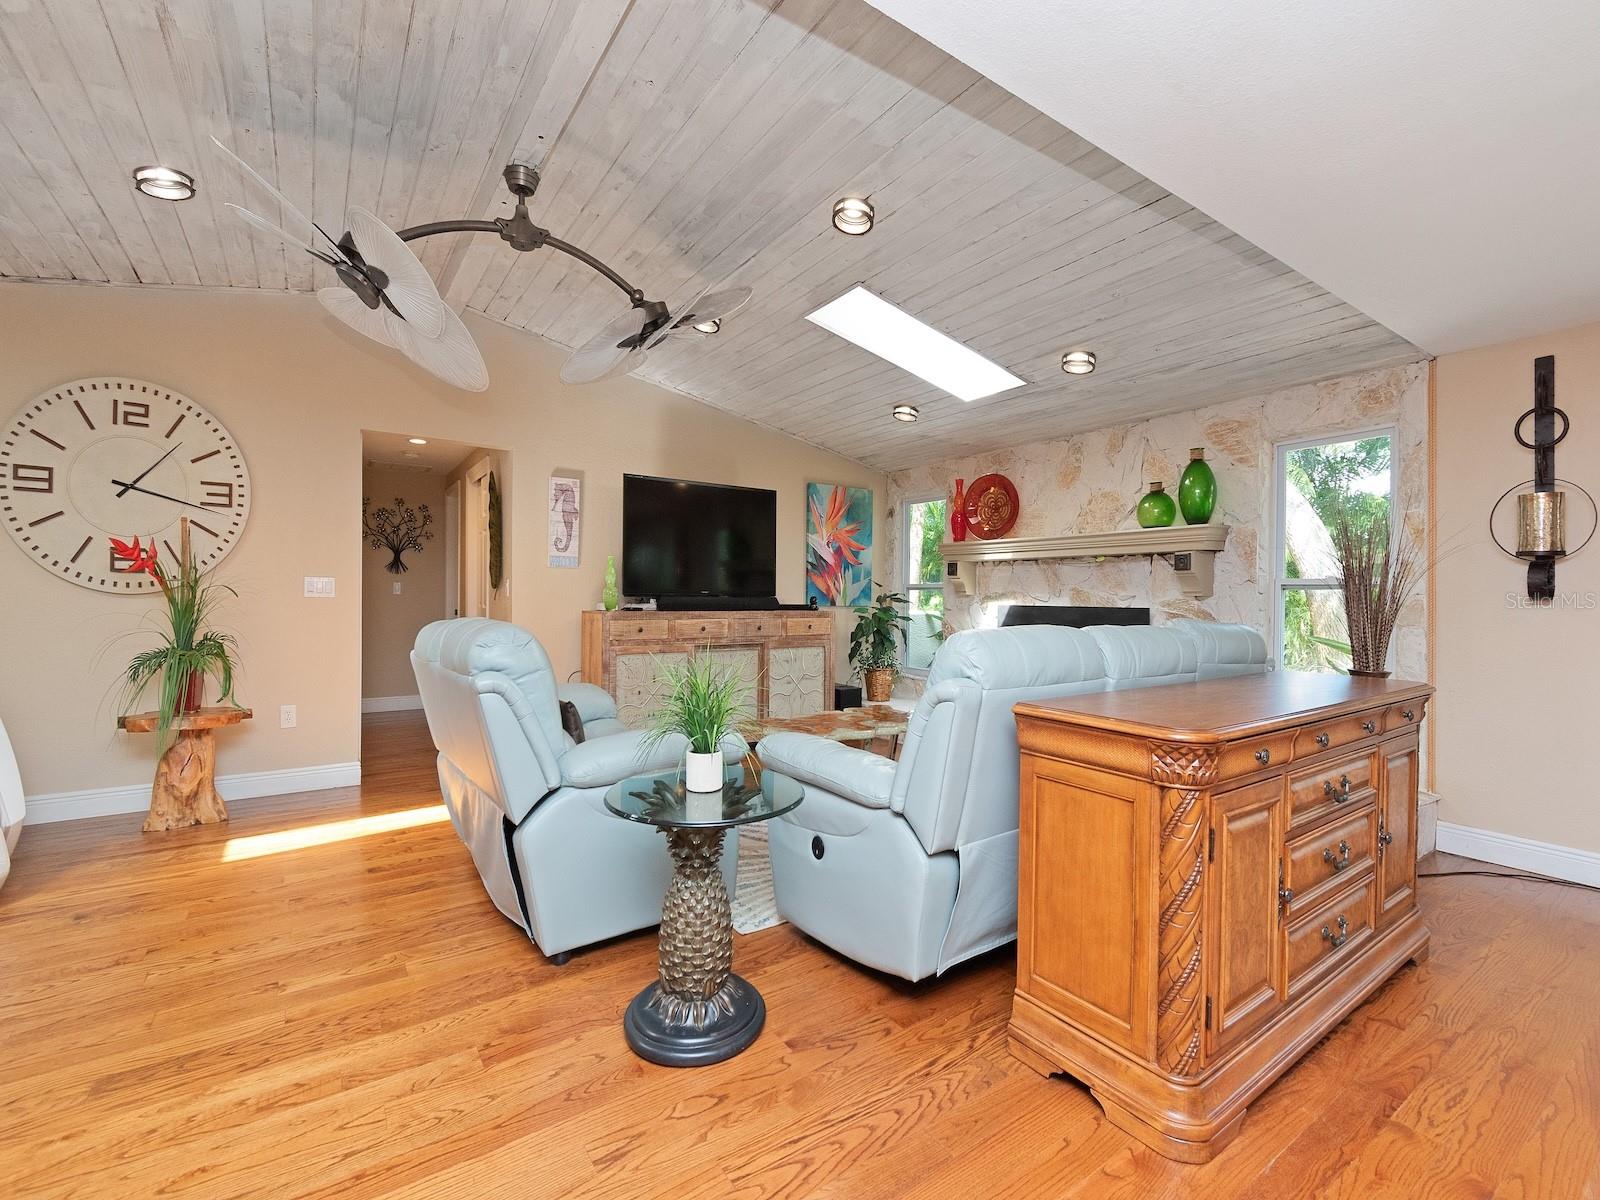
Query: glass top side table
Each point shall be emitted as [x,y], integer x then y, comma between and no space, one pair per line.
[697,1011]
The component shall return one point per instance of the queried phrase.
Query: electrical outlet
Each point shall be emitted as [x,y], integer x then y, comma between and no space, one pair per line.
[287,717]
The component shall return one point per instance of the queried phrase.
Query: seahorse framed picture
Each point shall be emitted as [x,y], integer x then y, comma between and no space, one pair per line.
[565,513]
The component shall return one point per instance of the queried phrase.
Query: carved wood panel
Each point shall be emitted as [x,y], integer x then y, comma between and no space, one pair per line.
[744,662]
[639,683]
[1184,773]
[795,681]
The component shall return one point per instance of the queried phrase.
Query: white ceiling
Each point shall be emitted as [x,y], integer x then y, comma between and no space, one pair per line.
[440,455]
[687,143]
[1435,163]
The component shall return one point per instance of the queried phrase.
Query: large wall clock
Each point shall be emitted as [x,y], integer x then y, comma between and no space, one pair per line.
[101,458]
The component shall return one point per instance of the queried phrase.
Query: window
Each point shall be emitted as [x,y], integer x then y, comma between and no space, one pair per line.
[1314,481]
[924,567]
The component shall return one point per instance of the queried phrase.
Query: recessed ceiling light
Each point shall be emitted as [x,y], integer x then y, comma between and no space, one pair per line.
[891,333]
[418,441]
[853,216]
[1078,362]
[711,326]
[906,412]
[164,183]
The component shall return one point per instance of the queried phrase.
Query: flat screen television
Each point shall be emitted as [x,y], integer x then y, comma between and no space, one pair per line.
[709,541]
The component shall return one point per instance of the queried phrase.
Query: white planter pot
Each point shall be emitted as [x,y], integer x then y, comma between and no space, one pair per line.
[702,772]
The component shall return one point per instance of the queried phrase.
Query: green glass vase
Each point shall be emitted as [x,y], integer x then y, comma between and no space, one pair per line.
[608,594]
[1157,510]
[1197,490]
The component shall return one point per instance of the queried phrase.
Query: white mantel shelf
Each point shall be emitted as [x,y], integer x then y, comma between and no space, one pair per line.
[1191,549]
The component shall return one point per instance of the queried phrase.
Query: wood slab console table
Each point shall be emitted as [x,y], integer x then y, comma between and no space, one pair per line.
[185,788]
[1212,875]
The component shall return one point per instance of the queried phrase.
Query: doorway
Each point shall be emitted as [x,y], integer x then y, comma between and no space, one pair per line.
[424,552]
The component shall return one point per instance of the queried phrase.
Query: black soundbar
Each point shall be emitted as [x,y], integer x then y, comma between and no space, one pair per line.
[724,604]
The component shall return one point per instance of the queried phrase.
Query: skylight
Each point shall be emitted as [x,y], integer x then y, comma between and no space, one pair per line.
[893,334]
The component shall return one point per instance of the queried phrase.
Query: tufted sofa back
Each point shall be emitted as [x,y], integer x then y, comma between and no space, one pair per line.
[489,693]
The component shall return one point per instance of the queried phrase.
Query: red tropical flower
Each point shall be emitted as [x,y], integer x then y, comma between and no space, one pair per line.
[138,558]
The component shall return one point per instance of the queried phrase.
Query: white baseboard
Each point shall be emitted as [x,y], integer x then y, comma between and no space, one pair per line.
[375,704]
[102,802]
[1506,850]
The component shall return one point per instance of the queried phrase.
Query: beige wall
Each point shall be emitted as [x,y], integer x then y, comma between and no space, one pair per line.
[1517,701]
[296,390]
[389,622]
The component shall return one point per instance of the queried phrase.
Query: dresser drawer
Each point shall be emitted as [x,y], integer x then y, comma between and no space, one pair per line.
[1402,716]
[800,625]
[1323,940]
[1321,861]
[699,627]
[1330,735]
[640,629]
[1257,754]
[1339,786]
[756,627]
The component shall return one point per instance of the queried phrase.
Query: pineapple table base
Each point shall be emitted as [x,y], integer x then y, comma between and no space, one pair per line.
[698,1011]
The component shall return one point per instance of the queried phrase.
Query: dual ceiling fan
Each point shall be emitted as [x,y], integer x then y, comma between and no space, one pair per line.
[386,294]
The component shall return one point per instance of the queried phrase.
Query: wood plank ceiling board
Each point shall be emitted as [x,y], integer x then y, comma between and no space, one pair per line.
[689,144]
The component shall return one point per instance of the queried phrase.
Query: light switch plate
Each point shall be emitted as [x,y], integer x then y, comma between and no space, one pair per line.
[396,587]
[319,586]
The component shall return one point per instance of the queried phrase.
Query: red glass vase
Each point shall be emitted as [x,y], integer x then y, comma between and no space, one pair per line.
[958,513]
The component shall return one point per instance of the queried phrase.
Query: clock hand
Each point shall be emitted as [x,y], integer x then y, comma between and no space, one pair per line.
[127,487]
[134,487]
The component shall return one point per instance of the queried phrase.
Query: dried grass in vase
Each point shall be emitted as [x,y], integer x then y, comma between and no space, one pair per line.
[1379,573]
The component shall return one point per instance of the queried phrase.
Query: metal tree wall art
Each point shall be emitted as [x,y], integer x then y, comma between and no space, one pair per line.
[396,530]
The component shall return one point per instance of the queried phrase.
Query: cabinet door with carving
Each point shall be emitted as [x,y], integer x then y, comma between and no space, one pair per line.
[1397,832]
[1245,846]
[639,684]
[742,663]
[795,681]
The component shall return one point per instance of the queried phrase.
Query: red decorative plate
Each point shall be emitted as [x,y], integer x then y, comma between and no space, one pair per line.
[991,507]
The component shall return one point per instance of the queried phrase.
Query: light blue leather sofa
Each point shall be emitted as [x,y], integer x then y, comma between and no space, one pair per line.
[529,801]
[911,866]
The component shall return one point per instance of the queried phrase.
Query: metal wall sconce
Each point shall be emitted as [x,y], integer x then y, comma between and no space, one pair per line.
[1542,512]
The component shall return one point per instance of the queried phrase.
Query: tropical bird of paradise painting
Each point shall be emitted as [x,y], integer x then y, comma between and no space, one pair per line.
[838,544]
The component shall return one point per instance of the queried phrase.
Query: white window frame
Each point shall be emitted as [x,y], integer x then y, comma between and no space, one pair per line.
[907,587]
[1280,485]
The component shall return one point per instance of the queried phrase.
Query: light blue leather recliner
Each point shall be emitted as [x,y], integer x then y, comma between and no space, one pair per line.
[529,801]
[911,866]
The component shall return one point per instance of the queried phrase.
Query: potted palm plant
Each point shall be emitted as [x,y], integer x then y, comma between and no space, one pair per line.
[1379,573]
[705,703]
[187,651]
[877,641]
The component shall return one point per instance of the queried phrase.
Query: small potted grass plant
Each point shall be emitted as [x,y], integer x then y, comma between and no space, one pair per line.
[876,643]
[705,703]
[188,651]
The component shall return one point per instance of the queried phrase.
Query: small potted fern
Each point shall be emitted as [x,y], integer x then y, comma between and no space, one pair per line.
[705,703]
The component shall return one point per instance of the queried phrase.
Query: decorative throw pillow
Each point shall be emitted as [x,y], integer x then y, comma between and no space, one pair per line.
[571,721]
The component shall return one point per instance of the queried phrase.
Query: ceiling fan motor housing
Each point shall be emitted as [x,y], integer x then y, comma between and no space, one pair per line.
[522,179]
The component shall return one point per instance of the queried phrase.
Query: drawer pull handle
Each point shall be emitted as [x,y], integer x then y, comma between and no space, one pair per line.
[702,629]
[1263,757]
[1285,896]
[1335,940]
[1337,794]
[1322,740]
[1384,838]
[1409,714]
[1340,861]
[1370,726]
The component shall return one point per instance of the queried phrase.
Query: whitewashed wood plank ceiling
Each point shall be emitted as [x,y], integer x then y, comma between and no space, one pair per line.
[688,143]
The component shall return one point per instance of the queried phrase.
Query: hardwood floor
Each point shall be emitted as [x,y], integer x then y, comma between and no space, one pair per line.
[200,1014]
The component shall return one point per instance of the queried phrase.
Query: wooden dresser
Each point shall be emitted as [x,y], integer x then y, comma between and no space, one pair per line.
[1211,876]
[785,655]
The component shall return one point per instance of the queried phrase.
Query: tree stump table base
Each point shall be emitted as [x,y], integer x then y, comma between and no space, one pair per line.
[184,792]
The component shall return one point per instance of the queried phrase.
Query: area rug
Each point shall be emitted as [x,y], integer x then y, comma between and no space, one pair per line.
[753,904]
